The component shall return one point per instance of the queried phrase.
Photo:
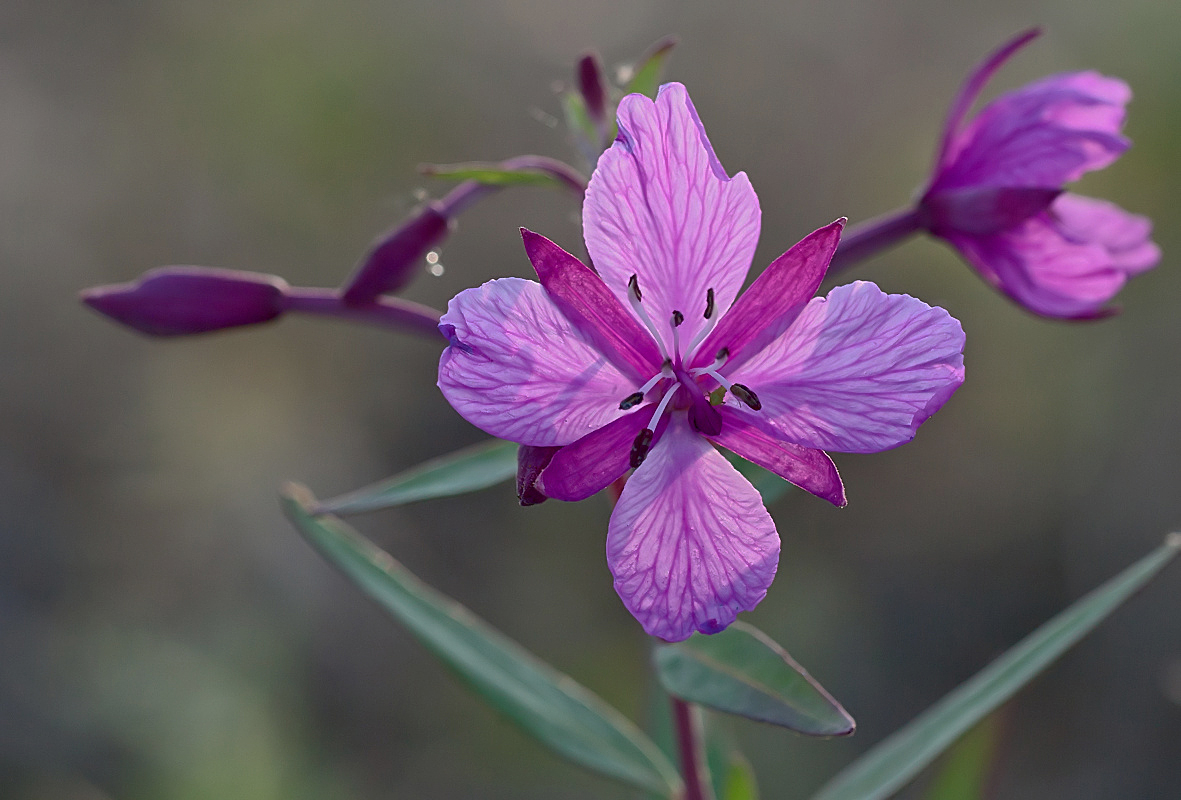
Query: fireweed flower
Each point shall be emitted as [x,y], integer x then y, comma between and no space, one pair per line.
[654,359]
[996,193]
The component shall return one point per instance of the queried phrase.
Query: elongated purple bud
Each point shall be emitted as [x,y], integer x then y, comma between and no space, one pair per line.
[590,86]
[176,301]
[394,259]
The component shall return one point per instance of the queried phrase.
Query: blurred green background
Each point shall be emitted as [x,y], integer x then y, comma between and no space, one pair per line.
[165,634]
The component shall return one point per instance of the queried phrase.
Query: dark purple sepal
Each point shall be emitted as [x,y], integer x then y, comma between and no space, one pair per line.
[982,210]
[774,300]
[531,460]
[811,470]
[393,261]
[590,86]
[178,301]
[590,307]
[595,461]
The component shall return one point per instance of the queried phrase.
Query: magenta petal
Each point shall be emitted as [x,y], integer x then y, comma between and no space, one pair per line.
[660,206]
[690,543]
[519,370]
[1042,135]
[1066,263]
[857,372]
[590,306]
[773,301]
[1125,236]
[589,465]
[811,470]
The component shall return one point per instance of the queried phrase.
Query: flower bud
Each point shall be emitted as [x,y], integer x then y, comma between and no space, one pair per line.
[176,301]
[392,262]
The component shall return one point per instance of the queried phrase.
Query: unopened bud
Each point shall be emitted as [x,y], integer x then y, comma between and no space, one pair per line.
[395,258]
[176,301]
[590,86]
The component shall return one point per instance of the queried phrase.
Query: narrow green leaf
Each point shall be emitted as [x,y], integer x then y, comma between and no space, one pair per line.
[546,704]
[966,767]
[893,762]
[491,174]
[476,467]
[645,78]
[768,484]
[742,671]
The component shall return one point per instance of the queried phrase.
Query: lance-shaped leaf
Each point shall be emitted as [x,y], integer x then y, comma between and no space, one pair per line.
[892,763]
[467,470]
[546,704]
[742,671]
[492,174]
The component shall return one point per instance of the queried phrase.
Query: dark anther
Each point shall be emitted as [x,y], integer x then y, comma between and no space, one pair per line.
[640,447]
[634,286]
[747,396]
[723,353]
[678,318]
[709,303]
[631,400]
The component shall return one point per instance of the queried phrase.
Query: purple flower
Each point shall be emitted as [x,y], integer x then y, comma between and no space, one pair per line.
[996,194]
[654,359]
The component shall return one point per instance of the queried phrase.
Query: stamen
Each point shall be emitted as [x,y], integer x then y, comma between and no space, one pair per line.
[711,319]
[633,288]
[663,405]
[719,362]
[746,395]
[634,297]
[712,371]
[631,400]
[678,318]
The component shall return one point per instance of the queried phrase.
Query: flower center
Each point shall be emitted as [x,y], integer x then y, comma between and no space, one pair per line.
[673,377]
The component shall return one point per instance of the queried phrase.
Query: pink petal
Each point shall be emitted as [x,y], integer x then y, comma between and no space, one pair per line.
[690,543]
[589,465]
[774,300]
[857,372]
[1127,237]
[587,303]
[1045,134]
[1068,262]
[660,206]
[519,370]
[811,470]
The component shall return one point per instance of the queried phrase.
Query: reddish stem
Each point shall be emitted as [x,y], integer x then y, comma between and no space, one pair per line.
[869,238]
[691,748]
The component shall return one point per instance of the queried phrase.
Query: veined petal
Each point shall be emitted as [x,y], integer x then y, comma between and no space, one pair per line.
[519,370]
[589,305]
[589,465]
[1044,135]
[811,470]
[1066,263]
[690,543]
[660,206]
[774,300]
[857,372]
